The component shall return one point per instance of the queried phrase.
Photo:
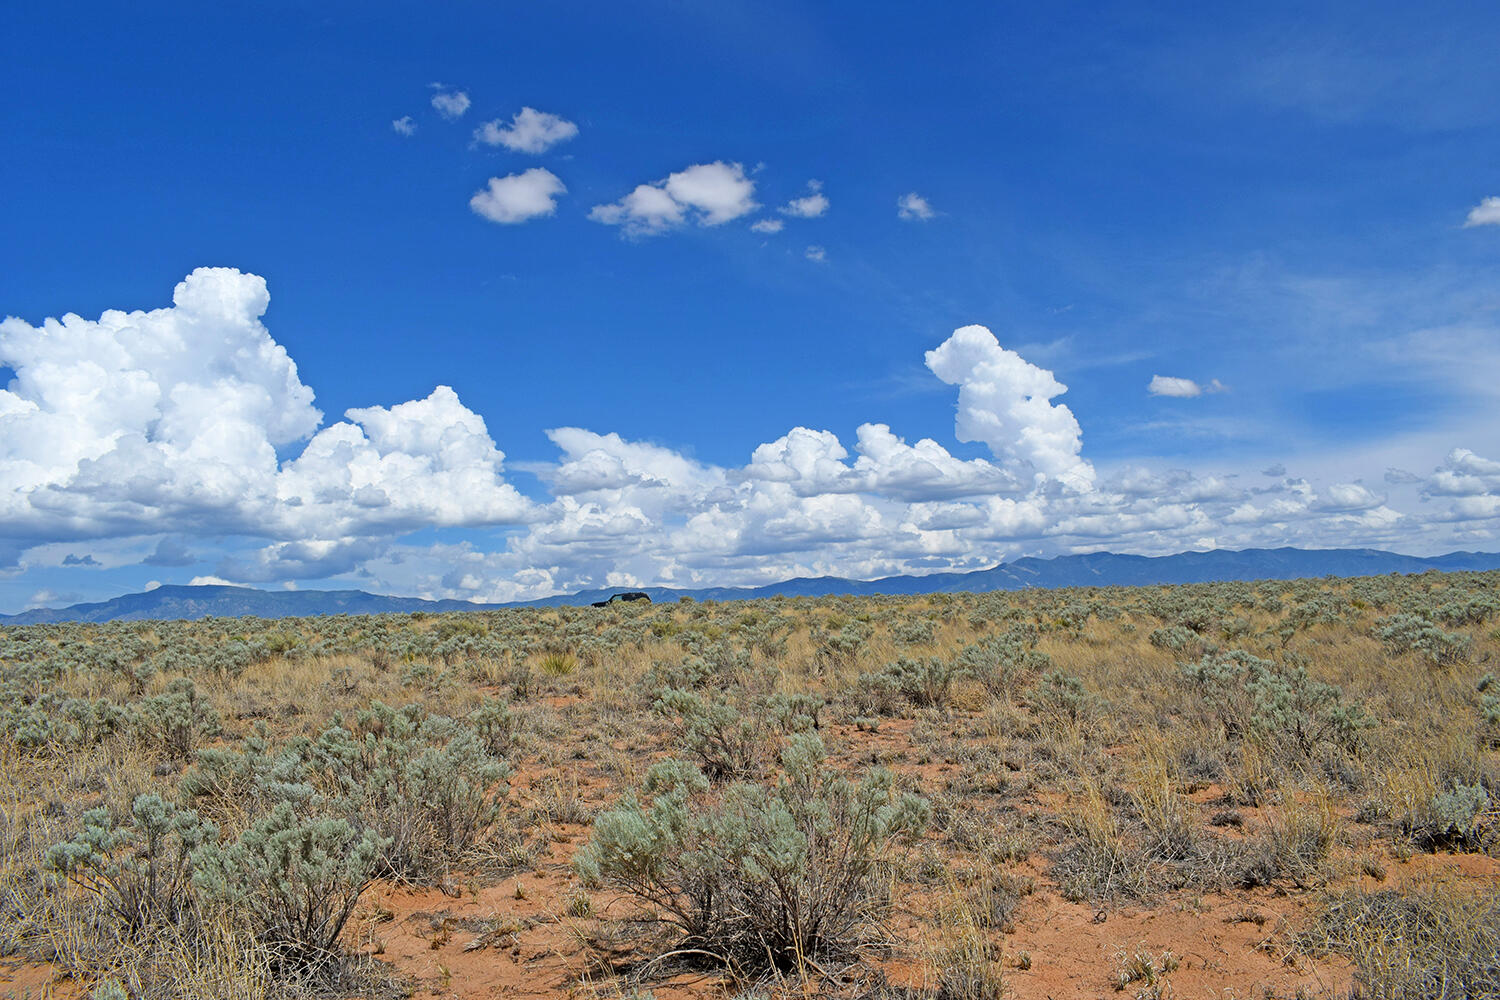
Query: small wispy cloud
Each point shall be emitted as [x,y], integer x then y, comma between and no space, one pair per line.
[1181,388]
[914,208]
[768,226]
[816,253]
[529,131]
[451,104]
[810,206]
[1486,213]
[404,125]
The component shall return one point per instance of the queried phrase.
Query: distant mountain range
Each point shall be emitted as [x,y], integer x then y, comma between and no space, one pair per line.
[1095,570]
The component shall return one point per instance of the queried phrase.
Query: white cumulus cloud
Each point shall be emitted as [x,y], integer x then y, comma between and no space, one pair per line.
[529,131]
[1179,388]
[518,197]
[709,193]
[404,126]
[1486,213]
[768,226]
[138,421]
[812,462]
[184,437]
[1005,402]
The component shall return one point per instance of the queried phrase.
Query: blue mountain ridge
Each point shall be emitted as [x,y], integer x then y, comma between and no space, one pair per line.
[1101,569]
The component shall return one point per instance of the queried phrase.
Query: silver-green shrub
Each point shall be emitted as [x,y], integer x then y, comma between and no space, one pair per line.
[141,870]
[295,879]
[920,681]
[1063,696]
[1408,633]
[1280,706]
[1455,816]
[757,875]
[176,719]
[425,783]
[727,744]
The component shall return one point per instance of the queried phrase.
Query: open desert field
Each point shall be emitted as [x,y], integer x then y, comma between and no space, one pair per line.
[1230,790]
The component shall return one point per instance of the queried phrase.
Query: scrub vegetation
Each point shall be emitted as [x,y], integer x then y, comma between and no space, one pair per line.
[1275,789]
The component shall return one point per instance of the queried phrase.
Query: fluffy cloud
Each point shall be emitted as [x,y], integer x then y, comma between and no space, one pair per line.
[709,193]
[1486,213]
[913,207]
[428,462]
[1347,497]
[451,104]
[404,126]
[195,394]
[813,462]
[1178,388]
[530,131]
[628,513]
[1181,388]
[606,463]
[810,206]
[1004,401]
[720,192]
[768,226]
[124,424]
[1463,474]
[518,197]
[115,430]
[646,211]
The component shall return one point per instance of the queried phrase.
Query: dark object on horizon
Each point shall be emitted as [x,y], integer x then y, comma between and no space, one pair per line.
[633,595]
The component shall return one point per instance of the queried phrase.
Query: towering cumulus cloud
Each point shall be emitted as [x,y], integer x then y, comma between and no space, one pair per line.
[142,422]
[184,436]
[134,408]
[1005,402]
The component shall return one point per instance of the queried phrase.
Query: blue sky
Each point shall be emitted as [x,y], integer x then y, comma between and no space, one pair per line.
[682,308]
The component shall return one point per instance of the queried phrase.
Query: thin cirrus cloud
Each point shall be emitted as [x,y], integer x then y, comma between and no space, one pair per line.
[914,208]
[1181,388]
[709,194]
[1486,213]
[529,131]
[404,125]
[518,198]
